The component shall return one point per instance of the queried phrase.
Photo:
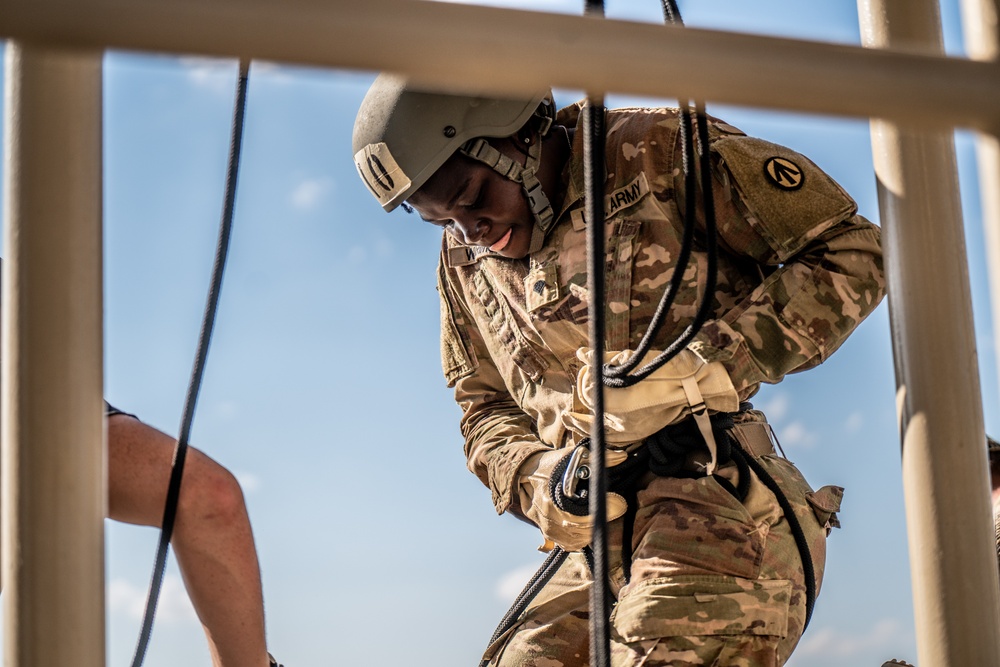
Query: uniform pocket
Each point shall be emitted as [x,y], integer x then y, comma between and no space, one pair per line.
[506,331]
[695,527]
[690,606]
[541,287]
[457,358]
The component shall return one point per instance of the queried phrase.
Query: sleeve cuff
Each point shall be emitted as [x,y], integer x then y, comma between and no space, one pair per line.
[717,341]
[503,472]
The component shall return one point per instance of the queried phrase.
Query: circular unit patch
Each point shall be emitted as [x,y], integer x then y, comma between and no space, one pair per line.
[784,173]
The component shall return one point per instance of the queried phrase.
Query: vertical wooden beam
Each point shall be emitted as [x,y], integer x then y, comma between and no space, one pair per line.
[53,467]
[952,550]
[981,25]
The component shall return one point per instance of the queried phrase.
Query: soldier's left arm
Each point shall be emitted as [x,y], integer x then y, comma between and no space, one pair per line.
[821,262]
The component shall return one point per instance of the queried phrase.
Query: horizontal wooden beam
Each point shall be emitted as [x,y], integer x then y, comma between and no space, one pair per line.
[502,50]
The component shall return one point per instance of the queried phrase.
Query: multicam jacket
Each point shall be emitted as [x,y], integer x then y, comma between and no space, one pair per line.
[798,271]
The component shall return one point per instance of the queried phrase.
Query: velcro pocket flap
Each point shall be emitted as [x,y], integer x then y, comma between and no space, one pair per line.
[703,605]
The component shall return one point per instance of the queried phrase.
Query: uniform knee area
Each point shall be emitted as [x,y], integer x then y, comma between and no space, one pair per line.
[703,620]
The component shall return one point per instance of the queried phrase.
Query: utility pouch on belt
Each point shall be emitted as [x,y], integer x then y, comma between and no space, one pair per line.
[825,504]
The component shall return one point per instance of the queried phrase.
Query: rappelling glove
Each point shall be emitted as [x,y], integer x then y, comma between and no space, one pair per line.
[674,391]
[538,482]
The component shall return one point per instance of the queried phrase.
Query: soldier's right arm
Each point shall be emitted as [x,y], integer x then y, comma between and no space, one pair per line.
[499,436]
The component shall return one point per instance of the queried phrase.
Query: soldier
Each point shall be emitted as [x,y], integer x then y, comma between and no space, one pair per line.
[705,566]
[212,537]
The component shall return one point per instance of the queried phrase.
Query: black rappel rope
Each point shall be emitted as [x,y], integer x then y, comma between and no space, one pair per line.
[622,375]
[204,338]
[594,177]
[549,567]
[610,376]
[801,542]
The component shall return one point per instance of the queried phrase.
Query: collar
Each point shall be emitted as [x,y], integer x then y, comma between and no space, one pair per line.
[572,176]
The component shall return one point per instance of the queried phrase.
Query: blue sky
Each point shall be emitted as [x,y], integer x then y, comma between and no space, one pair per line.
[324,392]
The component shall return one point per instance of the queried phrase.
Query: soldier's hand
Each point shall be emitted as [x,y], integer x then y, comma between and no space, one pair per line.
[539,477]
[667,396]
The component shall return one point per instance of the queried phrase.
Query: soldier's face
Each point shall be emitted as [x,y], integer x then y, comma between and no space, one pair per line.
[477,206]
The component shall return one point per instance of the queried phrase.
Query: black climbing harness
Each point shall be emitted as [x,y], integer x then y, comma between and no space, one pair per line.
[204,338]
[664,452]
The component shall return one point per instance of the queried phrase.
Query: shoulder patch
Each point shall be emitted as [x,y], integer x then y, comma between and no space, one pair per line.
[784,173]
[785,197]
[627,195]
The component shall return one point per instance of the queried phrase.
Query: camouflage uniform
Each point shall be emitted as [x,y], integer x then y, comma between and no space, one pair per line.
[996,524]
[993,452]
[714,581]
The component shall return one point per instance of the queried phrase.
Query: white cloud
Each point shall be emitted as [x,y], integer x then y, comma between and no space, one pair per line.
[885,635]
[310,192]
[228,410]
[249,482]
[511,584]
[776,408]
[797,435]
[380,248]
[274,71]
[173,605]
[854,422]
[383,247]
[214,74]
[357,255]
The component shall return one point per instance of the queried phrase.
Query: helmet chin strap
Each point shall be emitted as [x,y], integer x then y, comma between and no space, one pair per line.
[480,149]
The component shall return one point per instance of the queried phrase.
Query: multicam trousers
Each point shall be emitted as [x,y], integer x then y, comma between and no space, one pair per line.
[714,581]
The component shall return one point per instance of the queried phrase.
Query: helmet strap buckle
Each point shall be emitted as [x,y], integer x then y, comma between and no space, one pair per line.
[541,208]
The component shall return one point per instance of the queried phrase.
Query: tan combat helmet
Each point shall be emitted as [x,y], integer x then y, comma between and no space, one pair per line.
[402,135]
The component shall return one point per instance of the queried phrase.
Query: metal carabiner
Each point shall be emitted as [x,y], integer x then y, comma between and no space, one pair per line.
[577,470]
